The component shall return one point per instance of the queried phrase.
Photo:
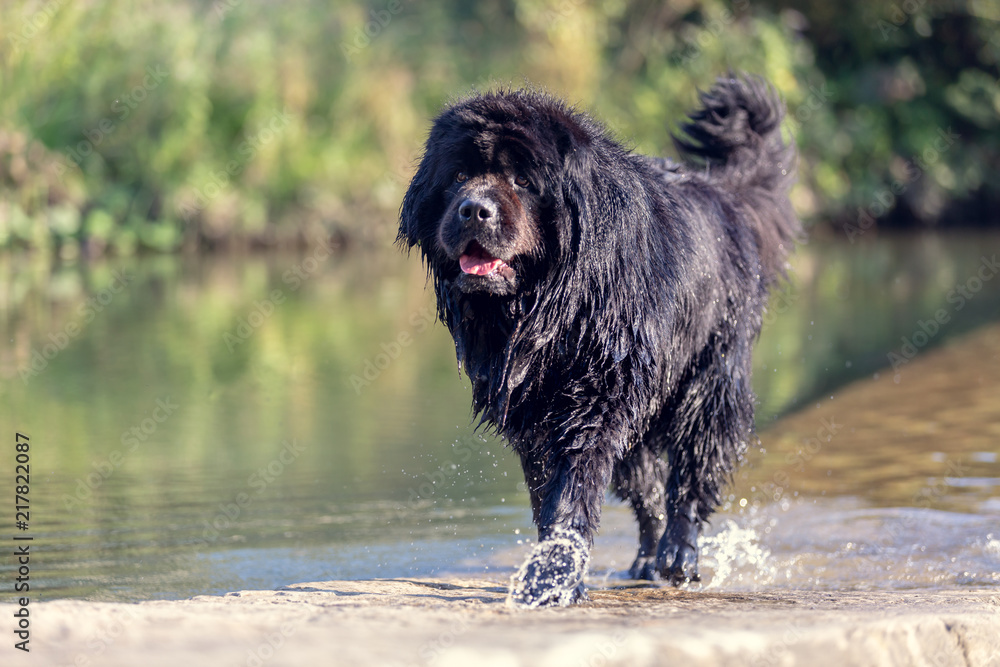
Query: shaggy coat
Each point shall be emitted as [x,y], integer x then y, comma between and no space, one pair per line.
[605,304]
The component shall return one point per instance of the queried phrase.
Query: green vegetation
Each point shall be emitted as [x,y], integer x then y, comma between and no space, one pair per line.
[194,124]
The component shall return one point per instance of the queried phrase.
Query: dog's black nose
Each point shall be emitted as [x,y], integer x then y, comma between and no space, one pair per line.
[477,210]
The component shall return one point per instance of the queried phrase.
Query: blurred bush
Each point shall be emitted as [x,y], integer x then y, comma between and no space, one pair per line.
[222,123]
[911,133]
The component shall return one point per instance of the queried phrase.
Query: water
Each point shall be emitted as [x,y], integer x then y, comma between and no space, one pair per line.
[206,425]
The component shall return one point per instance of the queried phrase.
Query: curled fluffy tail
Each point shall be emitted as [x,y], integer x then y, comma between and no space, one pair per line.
[736,136]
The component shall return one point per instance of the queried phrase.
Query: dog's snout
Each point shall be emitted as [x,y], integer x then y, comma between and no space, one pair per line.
[477,210]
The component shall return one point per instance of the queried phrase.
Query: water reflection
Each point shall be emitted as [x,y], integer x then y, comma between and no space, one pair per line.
[206,424]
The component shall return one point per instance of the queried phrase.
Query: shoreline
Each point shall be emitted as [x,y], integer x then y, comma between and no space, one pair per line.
[452,622]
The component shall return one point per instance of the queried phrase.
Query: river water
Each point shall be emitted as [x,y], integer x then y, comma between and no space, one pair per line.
[202,425]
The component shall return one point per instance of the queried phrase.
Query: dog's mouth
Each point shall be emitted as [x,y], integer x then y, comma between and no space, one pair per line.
[478,261]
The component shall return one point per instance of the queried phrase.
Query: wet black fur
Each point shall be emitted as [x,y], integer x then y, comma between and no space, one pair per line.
[622,354]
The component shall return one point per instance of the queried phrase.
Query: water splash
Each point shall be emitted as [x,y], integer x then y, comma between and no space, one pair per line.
[736,558]
[553,573]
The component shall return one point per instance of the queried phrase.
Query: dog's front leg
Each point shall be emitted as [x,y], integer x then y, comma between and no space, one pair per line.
[568,514]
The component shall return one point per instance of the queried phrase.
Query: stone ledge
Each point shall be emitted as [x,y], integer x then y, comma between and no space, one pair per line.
[463,623]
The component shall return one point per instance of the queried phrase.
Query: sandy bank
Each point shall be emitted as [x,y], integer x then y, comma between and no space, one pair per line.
[466,623]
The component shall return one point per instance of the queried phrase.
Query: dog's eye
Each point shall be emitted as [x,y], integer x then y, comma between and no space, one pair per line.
[461,177]
[522,182]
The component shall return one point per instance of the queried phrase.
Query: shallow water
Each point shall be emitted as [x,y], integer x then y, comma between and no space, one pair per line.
[228,423]
[839,545]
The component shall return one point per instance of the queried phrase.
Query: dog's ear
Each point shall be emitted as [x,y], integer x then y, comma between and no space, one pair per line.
[574,184]
[414,210]
[605,198]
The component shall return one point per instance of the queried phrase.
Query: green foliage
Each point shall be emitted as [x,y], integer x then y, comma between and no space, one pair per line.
[913,123]
[132,124]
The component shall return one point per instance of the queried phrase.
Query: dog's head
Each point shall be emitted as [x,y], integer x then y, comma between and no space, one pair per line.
[487,205]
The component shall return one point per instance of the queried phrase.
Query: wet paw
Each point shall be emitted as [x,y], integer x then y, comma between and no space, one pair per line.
[683,569]
[677,561]
[553,574]
[644,567]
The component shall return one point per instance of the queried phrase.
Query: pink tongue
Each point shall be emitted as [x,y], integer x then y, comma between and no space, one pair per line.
[479,265]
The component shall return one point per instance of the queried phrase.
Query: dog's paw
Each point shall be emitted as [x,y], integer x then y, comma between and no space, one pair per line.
[553,574]
[644,567]
[683,569]
[677,558]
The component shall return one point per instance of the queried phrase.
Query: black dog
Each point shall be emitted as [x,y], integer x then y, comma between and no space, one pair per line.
[604,305]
